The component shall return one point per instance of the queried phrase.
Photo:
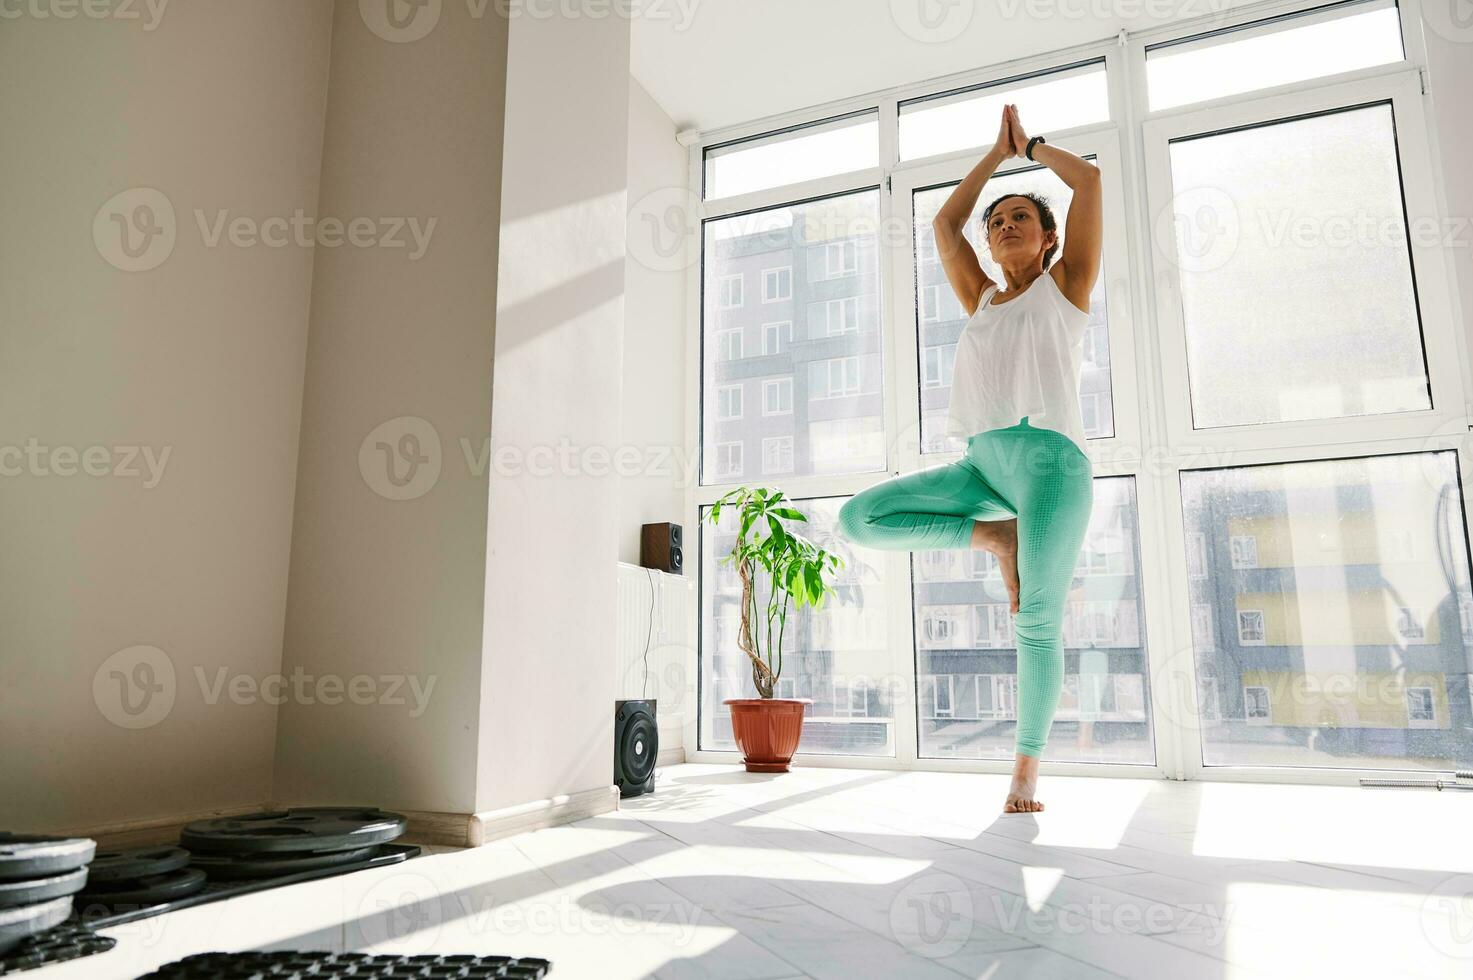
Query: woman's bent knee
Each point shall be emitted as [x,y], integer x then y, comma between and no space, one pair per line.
[854,519]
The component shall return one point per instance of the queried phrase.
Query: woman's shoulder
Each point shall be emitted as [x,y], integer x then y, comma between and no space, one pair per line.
[1057,273]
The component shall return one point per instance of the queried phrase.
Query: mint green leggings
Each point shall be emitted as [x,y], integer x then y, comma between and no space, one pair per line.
[1037,475]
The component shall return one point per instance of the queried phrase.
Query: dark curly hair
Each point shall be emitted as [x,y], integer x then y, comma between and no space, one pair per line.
[1046,220]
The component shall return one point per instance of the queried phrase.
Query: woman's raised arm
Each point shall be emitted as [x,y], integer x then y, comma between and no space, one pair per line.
[1079,263]
[957,256]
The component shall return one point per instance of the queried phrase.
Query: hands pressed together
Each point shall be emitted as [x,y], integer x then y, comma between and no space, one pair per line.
[1012,141]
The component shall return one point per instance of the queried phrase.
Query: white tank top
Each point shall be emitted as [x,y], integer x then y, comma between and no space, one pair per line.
[1020,358]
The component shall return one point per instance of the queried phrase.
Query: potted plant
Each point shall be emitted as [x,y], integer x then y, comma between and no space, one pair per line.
[767,551]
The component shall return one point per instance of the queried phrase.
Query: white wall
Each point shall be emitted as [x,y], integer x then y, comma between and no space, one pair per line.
[385,588]
[653,422]
[217,105]
[548,683]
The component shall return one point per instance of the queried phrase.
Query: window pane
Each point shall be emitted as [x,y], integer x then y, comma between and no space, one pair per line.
[941,316]
[965,649]
[1268,53]
[838,656]
[835,146]
[1336,612]
[1296,282]
[967,118]
[809,315]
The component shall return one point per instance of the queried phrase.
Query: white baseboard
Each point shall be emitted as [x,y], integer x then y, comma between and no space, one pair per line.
[490,825]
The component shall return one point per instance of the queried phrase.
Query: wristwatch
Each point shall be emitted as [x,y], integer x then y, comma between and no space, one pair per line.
[1028,151]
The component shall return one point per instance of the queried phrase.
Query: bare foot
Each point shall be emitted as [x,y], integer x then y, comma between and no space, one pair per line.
[1025,781]
[1001,538]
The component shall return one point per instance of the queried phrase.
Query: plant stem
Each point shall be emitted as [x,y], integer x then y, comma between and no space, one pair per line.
[782,627]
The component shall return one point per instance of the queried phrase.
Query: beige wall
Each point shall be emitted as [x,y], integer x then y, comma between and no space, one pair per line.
[548,684]
[387,588]
[661,225]
[469,659]
[217,106]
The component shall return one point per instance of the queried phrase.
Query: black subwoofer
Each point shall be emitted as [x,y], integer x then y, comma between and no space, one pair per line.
[636,744]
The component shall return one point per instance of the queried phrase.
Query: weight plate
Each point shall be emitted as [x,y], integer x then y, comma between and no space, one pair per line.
[321,828]
[148,890]
[25,856]
[127,865]
[24,921]
[34,890]
[229,867]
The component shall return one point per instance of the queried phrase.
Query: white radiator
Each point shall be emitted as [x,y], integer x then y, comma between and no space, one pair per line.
[656,649]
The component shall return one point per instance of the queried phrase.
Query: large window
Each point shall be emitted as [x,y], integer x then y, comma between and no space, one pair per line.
[836,146]
[819,319]
[1336,585]
[1295,271]
[1276,573]
[1336,38]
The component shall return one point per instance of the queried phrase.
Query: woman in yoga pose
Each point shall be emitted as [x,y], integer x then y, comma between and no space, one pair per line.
[1023,489]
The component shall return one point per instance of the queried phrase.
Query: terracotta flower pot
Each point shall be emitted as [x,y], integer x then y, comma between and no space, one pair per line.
[767,730]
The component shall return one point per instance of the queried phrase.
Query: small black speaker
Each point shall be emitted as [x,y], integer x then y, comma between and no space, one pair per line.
[659,548]
[636,743]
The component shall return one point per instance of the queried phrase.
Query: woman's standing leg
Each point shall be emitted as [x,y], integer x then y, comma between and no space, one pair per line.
[1051,481]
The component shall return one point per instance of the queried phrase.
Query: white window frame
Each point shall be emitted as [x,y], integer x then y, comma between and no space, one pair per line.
[1148,381]
[1432,722]
[929,298]
[1244,550]
[945,369]
[775,274]
[770,441]
[723,415]
[1004,688]
[992,626]
[942,626]
[842,304]
[723,292]
[727,462]
[844,691]
[770,384]
[729,340]
[933,683]
[777,328]
[1267,719]
[844,248]
[846,391]
[1243,640]
[1090,405]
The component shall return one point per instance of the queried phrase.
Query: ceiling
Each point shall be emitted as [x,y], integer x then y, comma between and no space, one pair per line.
[714,63]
